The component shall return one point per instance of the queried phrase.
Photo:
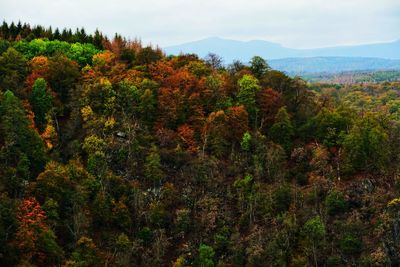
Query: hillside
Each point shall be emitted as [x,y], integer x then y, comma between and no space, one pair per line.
[113,154]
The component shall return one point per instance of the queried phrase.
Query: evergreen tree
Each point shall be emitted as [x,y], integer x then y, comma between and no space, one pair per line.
[41,102]
[13,70]
[23,148]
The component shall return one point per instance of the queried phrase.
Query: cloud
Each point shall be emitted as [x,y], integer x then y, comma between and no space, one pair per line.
[294,23]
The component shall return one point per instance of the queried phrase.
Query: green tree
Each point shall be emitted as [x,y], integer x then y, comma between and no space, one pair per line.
[100,96]
[4,45]
[127,97]
[123,251]
[33,48]
[335,203]
[82,53]
[41,102]
[282,197]
[248,87]
[246,142]
[22,148]
[329,126]
[128,56]
[147,106]
[54,185]
[7,226]
[259,66]
[246,190]
[95,147]
[62,76]
[205,257]
[152,166]
[366,146]
[314,232]
[85,254]
[147,55]
[350,244]
[13,70]
[282,130]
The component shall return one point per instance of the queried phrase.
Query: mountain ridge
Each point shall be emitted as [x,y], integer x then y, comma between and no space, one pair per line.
[359,57]
[230,49]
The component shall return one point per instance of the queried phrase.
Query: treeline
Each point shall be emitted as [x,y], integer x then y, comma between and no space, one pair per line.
[353,77]
[16,32]
[19,31]
[129,53]
[121,156]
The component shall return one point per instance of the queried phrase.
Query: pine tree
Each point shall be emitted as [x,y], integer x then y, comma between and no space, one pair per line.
[13,69]
[41,102]
[22,144]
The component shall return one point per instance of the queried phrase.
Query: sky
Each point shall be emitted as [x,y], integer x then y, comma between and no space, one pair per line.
[292,23]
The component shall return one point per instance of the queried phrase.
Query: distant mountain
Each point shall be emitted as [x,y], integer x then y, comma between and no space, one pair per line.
[233,49]
[360,57]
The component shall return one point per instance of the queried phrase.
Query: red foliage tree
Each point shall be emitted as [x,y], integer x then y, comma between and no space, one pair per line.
[160,70]
[196,112]
[269,102]
[31,223]
[181,79]
[170,101]
[237,120]
[186,133]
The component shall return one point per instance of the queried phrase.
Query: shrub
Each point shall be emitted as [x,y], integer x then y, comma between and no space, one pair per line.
[335,203]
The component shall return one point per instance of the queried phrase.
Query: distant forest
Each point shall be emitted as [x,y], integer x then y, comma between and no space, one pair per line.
[114,154]
[350,77]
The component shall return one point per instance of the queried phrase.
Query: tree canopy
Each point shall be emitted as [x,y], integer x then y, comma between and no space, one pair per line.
[112,153]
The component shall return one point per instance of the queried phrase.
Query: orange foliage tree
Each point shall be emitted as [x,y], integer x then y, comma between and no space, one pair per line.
[31,223]
[269,101]
[186,133]
[237,118]
[40,69]
[214,132]
[176,95]
[103,61]
[34,240]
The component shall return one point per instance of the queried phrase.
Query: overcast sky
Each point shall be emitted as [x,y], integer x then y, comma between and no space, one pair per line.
[293,23]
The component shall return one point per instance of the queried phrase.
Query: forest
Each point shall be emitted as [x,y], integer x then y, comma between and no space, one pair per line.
[115,154]
[351,77]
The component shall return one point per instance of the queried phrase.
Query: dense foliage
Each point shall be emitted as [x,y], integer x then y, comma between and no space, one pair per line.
[117,155]
[351,77]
